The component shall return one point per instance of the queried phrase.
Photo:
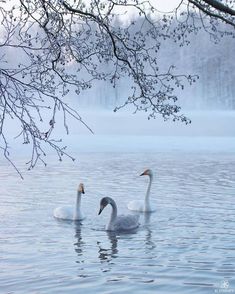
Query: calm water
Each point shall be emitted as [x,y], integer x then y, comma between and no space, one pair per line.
[186,246]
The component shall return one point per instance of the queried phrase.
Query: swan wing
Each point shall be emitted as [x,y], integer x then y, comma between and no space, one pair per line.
[136,205]
[64,212]
[126,222]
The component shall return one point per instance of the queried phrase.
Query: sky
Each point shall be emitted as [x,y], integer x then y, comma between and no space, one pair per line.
[162,5]
[165,6]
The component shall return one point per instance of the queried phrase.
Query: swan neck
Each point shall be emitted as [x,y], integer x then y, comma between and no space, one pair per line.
[78,204]
[113,213]
[148,191]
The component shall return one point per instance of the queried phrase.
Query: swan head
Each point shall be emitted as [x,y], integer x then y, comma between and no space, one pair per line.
[81,188]
[103,203]
[147,172]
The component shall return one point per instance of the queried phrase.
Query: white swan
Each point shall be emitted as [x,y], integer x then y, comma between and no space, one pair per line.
[118,222]
[143,206]
[71,213]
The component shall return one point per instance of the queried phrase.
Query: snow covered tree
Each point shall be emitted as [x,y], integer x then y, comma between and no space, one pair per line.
[53,48]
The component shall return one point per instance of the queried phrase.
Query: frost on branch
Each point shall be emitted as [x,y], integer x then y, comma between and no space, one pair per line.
[61,48]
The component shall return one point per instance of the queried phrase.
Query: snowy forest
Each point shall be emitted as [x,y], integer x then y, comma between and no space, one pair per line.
[211,60]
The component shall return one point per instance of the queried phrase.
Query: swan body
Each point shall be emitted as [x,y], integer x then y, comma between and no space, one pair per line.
[143,206]
[118,222]
[71,213]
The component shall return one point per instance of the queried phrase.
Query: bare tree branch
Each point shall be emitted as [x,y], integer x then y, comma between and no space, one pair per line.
[220,6]
[62,47]
[213,14]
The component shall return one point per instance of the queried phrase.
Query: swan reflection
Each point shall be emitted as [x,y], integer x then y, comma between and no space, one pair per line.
[79,243]
[147,219]
[147,224]
[106,254]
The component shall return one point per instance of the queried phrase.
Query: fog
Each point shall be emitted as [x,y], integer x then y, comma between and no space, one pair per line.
[209,103]
[212,62]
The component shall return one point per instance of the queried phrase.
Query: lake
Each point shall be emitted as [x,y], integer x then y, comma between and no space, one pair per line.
[186,246]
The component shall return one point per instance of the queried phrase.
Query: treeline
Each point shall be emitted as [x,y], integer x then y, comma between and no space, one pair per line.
[212,62]
[215,66]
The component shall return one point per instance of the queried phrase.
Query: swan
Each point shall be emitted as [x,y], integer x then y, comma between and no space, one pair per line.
[71,213]
[140,205]
[118,222]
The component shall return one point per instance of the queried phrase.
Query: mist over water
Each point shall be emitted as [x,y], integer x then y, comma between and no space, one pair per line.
[212,62]
[209,102]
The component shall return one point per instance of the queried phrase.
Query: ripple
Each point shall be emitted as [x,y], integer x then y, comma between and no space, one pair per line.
[190,235]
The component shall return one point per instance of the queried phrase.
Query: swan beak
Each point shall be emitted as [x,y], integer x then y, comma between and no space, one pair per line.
[145,173]
[100,211]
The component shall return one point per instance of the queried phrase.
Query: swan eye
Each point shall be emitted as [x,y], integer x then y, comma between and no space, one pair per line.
[104,202]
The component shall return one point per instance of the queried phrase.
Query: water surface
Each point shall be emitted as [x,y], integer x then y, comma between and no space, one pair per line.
[186,246]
